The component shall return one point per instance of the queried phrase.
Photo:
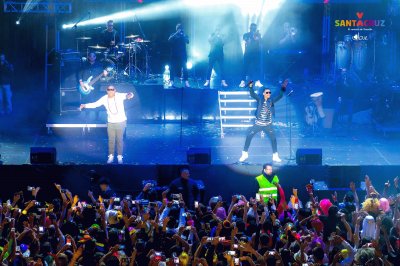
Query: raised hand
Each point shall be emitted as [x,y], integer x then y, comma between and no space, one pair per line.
[352,186]
[334,196]
[284,84]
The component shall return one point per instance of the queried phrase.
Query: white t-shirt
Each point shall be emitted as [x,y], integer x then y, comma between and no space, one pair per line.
[114,106]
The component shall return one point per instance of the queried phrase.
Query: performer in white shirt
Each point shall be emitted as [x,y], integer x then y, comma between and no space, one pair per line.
[116,118]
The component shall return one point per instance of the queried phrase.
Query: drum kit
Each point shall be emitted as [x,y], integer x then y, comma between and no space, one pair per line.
[121,61]
[314,111]
[351,53]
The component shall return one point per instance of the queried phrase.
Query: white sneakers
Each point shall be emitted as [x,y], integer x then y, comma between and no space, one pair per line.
[223,83]
[275,158]
[245,155]
[120,161]
[258,84]
[187,85]
[110,159]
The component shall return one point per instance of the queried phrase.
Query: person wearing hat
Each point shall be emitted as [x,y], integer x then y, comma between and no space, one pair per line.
[263,122]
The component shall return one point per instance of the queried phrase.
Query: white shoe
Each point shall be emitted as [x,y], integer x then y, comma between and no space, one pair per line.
[242,84]
[120,161]
[258,84]
[244,157]
[170,83]
[275,158]
[110,159]
[187,85]
[207,83]
[223,83]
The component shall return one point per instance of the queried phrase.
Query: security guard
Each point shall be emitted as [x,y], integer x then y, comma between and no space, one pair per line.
[268,184]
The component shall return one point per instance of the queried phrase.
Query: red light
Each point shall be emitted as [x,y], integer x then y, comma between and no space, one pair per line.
[140,1]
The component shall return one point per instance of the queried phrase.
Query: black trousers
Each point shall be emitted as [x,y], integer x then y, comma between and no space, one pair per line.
[212,63]
[251,66]
[178,65]
[269,130]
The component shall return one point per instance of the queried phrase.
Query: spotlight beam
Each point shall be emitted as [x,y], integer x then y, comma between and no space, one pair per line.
[151,11]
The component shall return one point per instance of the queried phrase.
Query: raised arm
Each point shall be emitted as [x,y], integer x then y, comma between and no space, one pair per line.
[252,93]
[96,104]
[282,90]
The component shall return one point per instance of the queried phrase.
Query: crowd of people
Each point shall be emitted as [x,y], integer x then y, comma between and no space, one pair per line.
[176,227]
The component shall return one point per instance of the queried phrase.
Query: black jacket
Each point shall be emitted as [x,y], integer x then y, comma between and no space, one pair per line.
[260,100]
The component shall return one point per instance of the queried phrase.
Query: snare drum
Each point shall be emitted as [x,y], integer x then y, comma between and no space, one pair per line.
[317,99]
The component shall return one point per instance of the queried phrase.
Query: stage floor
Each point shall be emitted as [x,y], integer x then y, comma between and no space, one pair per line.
[166,143]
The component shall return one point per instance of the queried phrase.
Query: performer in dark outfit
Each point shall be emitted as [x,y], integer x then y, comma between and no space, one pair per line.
[178,41]
[251,57]
[264,113]
[216,56]
[6,73]
[345,90]
[110,37]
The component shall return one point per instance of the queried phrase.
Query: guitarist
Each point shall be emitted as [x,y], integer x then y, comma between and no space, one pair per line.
[91,68]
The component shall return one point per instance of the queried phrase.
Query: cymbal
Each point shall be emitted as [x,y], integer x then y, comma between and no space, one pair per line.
[316,94]
[84,38]
[131,36]
[140,40]
[97,47]
[130,45]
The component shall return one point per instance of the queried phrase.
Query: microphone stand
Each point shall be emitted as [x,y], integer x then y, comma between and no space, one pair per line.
[145,46]
[289,114]
[79,21]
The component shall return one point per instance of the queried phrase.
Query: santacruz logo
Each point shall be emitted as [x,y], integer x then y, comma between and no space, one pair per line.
[359,22]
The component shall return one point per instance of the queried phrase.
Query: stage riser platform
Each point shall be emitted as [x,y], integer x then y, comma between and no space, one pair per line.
[152,102]
[223,180]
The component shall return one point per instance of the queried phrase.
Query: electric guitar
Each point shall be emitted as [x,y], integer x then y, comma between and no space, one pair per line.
[87,86]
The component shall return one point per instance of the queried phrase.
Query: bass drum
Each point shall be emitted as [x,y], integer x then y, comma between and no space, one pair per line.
[111,67]
[360,50]
[342,55]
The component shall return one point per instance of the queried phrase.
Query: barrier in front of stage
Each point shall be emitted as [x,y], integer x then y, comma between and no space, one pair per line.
[223,180]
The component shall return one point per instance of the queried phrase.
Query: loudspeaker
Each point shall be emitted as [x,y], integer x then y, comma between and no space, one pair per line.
[70,98]
[199,156]
[43,155]
[309,156]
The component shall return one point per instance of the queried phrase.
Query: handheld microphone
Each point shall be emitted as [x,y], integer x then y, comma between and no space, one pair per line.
[250,84]
[290,92]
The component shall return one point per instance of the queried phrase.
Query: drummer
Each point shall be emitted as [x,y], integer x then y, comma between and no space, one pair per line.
[110,37]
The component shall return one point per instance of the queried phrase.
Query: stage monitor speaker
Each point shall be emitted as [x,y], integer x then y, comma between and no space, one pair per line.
[309,156]
[199,156]
[70,98]
[43,155]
